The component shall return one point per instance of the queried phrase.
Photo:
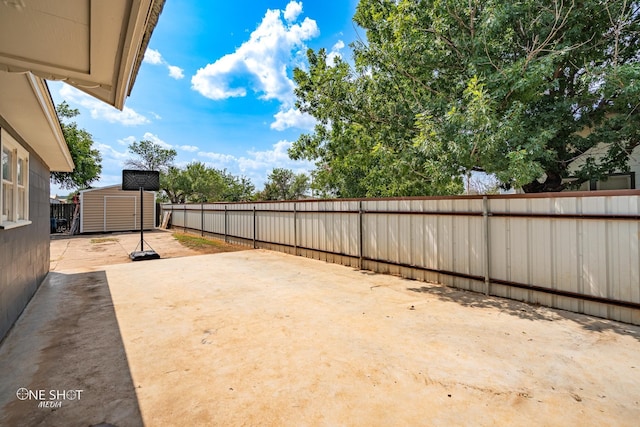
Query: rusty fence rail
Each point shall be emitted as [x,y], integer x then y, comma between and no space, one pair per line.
[575,251]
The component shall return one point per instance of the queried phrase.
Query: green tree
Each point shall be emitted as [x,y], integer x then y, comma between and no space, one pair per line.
[87,160]
[173,185]
[151,156]
[195,183]
[198,183]
[237,189]
[284,184]
[363,142]
[440,89]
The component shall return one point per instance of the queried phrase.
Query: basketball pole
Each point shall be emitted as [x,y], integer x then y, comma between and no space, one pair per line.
[141,180]
[141,220]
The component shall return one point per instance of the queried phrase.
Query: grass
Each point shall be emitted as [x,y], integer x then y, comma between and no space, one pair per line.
[104,240]
[202,244]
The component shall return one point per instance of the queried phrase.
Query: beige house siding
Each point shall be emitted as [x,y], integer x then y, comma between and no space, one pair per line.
[627,180]
[111,209]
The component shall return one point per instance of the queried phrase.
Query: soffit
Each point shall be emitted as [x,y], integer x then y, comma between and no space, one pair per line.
[93,45]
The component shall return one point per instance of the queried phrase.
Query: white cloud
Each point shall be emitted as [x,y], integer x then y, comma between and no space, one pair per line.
[154,57]
[256,165]
[148,136]
[218,157]
[217,160]
[127,116]
[292,11]
[190,148]
[277,155]
[109,153]
[101,110]
[263,59]
[266,160]
[127,140]
[293,118]
[335,52]
[112,161]
[176,72]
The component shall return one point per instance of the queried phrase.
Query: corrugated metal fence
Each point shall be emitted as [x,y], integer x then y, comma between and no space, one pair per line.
[575,251]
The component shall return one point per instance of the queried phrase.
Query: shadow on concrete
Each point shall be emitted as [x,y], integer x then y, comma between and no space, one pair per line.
[525,310]
[67,342]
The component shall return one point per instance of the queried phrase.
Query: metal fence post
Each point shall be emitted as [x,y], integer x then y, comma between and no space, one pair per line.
[360,235]
[254,226]
[487,261]
[295,228]
[225,224]
[202,219]
[184,219]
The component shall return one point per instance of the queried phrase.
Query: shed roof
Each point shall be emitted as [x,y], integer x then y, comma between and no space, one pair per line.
[110,187]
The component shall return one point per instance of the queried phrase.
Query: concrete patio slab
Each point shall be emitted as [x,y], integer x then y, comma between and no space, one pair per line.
[263,338]
[86,252]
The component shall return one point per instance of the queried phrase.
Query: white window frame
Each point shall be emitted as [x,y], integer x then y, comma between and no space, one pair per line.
[17,214]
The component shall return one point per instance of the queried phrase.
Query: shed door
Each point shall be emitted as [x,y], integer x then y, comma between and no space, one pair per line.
[120,213]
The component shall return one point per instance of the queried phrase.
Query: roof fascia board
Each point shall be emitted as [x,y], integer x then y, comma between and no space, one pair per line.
[131,44]
[43,95]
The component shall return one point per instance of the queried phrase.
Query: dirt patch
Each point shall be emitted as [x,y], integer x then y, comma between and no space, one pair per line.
[103,240]
[205,245]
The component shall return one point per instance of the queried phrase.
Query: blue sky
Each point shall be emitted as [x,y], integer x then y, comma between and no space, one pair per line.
[216,85]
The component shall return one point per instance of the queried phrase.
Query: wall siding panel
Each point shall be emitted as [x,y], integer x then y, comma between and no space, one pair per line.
[110,209]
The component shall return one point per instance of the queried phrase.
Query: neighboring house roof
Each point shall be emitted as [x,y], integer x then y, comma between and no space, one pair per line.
[598,152]
[94,45]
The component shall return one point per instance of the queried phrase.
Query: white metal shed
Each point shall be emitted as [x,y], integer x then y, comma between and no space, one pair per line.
[111,209]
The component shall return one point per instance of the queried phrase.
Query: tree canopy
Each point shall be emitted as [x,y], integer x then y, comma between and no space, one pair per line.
[87,160]
[150,156]
[440,89]
[198,183]
[284,184]
[195,183]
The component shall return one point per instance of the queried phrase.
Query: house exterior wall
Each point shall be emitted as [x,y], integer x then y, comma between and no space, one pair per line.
[122,210]
[623,181]
[24,251]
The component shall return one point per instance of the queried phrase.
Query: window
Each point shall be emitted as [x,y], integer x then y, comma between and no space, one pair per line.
[14,192]
[617,182]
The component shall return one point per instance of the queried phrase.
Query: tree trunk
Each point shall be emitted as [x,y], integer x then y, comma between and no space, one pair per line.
[552,184]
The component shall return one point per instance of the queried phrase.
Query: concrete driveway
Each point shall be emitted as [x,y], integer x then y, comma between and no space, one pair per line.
[262,338]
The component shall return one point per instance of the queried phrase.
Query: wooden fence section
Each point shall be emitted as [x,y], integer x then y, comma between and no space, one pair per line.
[574,251]
[63,214]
